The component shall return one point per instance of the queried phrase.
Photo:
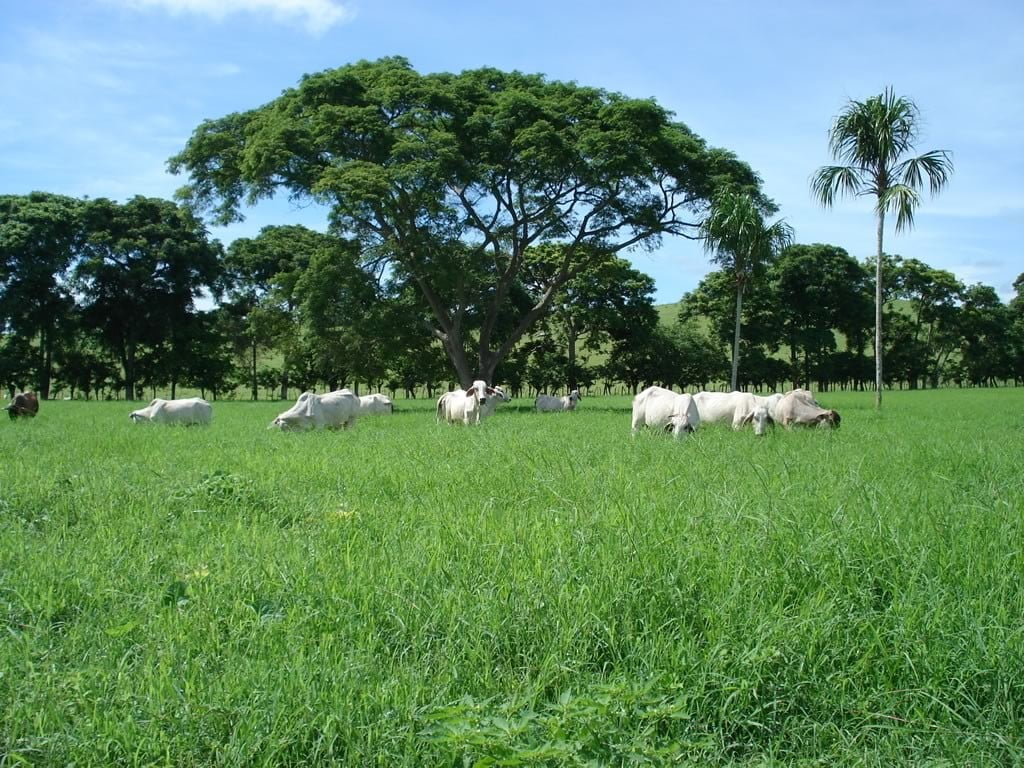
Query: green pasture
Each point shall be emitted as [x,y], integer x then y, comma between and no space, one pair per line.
[541,590]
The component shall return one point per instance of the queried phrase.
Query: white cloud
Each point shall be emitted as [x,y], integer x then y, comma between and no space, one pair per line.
[317,16]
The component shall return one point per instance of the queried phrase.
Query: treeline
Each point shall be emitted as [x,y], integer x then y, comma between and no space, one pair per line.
[808,320]
[103,299]
[106,299]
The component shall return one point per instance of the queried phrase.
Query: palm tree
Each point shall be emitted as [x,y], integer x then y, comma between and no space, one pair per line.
[735,233]
[870,138]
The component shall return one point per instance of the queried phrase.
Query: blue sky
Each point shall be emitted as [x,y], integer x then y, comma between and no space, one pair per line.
[95,95]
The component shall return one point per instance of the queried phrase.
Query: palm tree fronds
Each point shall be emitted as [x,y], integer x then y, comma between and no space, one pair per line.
[902,200]
[937,165]
[835,181]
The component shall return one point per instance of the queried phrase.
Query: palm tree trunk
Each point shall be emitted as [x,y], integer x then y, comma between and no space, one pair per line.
[736,339]
[878,314]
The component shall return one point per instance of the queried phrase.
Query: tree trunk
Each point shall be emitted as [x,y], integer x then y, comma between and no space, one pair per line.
[570,353]
[255,386]
[736,339]
[46,362]
[878,313]
[128,363]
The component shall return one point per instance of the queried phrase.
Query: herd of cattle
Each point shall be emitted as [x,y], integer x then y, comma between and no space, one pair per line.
[655,407]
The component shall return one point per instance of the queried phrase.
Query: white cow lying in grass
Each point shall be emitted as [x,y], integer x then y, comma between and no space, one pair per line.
[376,403]
[660,408]
[800,408]
[467,406]
[332,410]
[189,410]
[738,408]
[552,403]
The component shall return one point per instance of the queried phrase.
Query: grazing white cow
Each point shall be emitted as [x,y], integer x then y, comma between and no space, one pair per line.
[332,410]
[376,403]
[800,408]
[189,410]
[552,403]
[466,406]
[739,408]
[770,402]
[660,408]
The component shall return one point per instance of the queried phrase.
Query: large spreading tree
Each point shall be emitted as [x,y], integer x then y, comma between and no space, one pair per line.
[448,179]
[871,139]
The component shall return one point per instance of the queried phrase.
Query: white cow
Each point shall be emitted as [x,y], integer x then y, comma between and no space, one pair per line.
[189,410]
[800,408]
[466,406]
[660,408]
[376,403]
[739,408]
[770,402]
[551,403]
[311,411]
[493,402]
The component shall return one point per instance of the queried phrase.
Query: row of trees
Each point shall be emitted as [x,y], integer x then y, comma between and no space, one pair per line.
[476,222]
[808,319]
[97,296]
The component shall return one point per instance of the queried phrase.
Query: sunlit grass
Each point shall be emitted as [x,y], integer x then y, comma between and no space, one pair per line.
[543,589]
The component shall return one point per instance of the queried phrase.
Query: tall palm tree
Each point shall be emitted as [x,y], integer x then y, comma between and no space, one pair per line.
[736,235]
[871,138]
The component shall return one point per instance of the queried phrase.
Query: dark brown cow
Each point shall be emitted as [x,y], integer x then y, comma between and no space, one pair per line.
[23,404]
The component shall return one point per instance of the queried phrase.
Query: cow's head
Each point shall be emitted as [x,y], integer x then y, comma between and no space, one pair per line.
[828,420]
[759,418]
[574,396]
[479,390]
[139,416]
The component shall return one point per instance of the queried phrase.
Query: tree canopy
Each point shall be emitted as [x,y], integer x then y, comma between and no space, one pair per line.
[448,179]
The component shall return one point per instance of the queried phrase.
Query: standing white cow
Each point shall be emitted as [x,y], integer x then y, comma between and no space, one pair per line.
[466,406]
[739,408]
[800,408]
[188,410]
[552,403]
[332,410]
[660,408]
[375,403]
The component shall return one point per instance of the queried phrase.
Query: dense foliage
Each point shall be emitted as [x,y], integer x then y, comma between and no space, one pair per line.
[100,298]
[450,180]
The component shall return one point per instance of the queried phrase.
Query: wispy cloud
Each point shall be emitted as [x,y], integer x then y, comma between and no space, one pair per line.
[316,16]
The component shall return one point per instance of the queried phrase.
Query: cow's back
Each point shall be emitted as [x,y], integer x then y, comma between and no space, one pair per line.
[189,410]
[338,408]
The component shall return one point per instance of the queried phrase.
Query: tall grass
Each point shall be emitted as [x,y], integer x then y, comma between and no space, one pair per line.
[540,590]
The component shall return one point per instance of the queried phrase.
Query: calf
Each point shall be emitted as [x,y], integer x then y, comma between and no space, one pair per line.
[189,410]
[466,406]
[24,404]
[333,410]
[800,408]
[375,404]
[551,403]
[740,408]
[660,408]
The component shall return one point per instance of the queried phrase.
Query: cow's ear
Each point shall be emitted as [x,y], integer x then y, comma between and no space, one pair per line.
[490,390]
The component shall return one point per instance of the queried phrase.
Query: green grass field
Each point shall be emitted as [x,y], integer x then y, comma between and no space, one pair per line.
[542,590]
